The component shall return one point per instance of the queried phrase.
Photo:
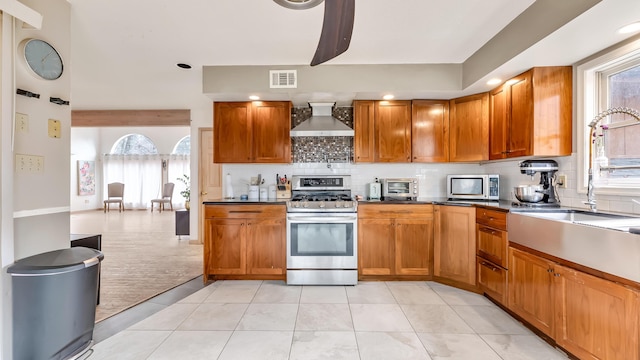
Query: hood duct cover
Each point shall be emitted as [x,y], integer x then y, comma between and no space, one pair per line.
[321,123]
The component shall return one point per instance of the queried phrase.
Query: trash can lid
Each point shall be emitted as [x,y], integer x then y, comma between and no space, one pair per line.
[57,261]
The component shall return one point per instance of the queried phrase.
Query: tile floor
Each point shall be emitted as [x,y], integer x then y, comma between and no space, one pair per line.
[372,320]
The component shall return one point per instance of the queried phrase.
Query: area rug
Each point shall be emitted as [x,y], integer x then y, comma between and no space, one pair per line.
[142,256]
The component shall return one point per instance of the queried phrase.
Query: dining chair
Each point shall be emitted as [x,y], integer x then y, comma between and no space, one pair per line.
[115,195]
[167,197]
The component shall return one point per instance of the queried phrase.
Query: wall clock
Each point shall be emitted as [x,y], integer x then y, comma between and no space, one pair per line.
[43,59]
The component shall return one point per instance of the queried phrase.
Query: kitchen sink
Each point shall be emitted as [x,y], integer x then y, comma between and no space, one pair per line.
[570,215]
[588,218]
[602,241]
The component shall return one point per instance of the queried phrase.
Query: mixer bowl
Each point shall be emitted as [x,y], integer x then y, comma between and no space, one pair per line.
[529,193]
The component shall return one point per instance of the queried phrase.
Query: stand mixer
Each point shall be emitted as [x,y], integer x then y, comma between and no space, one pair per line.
[543,194]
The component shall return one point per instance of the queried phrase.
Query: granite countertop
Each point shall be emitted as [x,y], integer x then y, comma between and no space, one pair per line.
[237,201]
[501,204]
[505,205]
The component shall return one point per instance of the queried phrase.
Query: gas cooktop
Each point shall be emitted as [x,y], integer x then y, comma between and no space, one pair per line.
[321,193]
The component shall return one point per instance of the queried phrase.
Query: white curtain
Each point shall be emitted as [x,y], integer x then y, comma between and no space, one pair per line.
[178,165]
[141,175]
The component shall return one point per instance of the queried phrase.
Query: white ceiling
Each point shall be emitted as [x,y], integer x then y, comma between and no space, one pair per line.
[124,52]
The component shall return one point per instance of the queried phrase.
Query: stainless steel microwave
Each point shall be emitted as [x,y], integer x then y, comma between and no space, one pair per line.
[400,188]
[473,187]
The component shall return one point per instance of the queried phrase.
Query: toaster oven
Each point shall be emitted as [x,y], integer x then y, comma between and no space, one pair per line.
[400,189]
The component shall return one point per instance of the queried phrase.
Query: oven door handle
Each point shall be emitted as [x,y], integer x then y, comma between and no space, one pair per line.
[321,219]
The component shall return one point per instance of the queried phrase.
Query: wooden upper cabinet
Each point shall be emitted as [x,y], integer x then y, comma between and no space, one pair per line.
[531,114]
[232,132]
[393,131]
[430,131]
[363,124]
[382,131]
[252,132]
[498,123]
[271,132]
[469,128]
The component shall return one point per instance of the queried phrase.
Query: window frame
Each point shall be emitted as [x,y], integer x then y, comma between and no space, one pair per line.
[590,103]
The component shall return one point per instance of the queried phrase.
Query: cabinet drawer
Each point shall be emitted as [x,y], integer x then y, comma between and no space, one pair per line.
[244,211]
[494,218]
[492,244]
[394,211]
[492,279]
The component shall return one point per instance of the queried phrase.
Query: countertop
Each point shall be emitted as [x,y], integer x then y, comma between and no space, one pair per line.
[505,205]
[237,201]
[500,204]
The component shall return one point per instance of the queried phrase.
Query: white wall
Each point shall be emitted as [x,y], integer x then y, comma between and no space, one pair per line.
[35,206]
[46,193]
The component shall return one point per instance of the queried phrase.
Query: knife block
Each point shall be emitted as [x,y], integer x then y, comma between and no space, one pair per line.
[283,191]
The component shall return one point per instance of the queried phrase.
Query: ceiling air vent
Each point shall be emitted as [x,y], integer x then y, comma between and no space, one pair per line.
[283,79]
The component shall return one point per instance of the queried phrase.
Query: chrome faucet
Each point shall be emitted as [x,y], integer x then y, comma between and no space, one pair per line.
[591,199]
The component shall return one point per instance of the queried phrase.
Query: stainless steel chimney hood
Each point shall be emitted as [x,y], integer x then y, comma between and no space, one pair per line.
[322,123]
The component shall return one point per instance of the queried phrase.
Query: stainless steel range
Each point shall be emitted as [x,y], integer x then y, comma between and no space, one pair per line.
[322,224]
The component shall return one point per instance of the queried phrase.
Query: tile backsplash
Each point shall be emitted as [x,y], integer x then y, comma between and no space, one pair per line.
[334,155]
[322,149]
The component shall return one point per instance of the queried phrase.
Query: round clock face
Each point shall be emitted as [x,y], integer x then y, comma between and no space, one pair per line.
[43,59]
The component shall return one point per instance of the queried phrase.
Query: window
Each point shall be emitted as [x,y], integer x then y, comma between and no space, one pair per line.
[620,87]
[610,80]
[134,144]
[183,146]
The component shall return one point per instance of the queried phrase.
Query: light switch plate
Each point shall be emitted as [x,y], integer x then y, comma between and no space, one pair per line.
[22,122]
[54,128]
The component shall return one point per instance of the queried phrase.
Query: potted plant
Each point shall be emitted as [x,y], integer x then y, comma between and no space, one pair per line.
[186,193]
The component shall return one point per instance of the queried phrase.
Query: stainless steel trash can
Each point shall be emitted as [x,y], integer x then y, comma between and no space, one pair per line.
[54,303]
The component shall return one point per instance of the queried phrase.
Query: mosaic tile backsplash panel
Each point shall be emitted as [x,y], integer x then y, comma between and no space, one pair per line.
[322,149]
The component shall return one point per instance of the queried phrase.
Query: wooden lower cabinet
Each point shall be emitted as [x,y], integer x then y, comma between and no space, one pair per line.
[227,241]
[266,250]
[492,260]
[590,317]
[454,246]
[245,241]
[492,280]
[395,240]
[531,290]
[595,318]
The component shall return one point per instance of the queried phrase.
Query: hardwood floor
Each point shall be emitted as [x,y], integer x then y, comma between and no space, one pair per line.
[142,256]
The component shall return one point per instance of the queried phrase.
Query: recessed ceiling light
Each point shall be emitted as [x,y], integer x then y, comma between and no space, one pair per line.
[633,27]
[254,97]
[388,97]
[183,66]
[494,81]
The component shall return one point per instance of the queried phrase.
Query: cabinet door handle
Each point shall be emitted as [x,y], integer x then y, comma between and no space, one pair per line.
[491,267]
[549,270]
[245,212]
[203,193]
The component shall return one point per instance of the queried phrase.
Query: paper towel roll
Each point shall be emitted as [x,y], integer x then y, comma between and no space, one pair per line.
[229,188]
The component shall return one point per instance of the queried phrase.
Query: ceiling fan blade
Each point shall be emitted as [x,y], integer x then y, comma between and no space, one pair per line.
[337,28]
